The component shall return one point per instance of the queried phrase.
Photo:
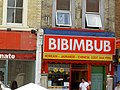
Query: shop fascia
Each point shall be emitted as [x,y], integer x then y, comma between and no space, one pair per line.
[7,56]
[79,44]
[75,44]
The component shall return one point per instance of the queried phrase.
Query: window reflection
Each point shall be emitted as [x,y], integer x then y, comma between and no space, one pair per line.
[21,71]
[14,11]
[58,75]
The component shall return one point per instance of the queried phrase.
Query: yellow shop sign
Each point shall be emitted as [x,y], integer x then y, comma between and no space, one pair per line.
[68,56]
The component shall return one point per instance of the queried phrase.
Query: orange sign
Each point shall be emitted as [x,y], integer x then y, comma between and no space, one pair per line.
[118,43]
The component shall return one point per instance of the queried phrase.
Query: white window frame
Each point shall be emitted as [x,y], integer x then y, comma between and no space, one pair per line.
[96,20]
[100,13]
[24,16]
[71,13]
[62,24]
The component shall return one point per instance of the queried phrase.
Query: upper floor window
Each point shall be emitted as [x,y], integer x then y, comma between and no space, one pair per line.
[62,12]
[63,15]
[63,5]
[92,5]
[63,18]
[14,11]
[92,14]
[93,20]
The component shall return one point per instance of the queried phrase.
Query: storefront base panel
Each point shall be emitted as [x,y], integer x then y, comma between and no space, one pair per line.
[67,74]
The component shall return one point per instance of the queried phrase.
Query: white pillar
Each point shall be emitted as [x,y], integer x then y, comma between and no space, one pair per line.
[38,56]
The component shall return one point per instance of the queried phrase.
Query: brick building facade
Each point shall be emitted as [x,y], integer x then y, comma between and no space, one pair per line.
[17,20]
[108,7]
[33,18]
[117,18]
[117,32]
[44,15]
[77,26]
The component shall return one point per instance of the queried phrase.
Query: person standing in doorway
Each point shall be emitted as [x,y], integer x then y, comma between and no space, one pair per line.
[84,85]
[118,86]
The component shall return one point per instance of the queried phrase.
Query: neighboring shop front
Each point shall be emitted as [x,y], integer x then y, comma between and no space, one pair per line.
[117,62]
[69,55]
[17,57]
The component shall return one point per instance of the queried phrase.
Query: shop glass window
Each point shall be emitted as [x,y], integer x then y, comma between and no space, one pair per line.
[118,51]
[58,75]
[2,71]
[63,13]
[92,14]
[21,71]
[14,11]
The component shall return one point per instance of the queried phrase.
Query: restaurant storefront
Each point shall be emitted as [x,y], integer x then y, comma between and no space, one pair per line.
[69,55]
[17,57]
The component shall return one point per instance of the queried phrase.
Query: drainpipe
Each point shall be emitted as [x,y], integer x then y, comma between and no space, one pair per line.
[38,56]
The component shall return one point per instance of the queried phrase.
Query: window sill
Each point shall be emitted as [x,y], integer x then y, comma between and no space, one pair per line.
[15,28]
[14,25]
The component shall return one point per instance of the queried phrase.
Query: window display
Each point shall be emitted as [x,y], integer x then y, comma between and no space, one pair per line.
[58,75]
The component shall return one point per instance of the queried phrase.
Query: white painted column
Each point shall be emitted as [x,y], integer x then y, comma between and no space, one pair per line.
[38,56]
